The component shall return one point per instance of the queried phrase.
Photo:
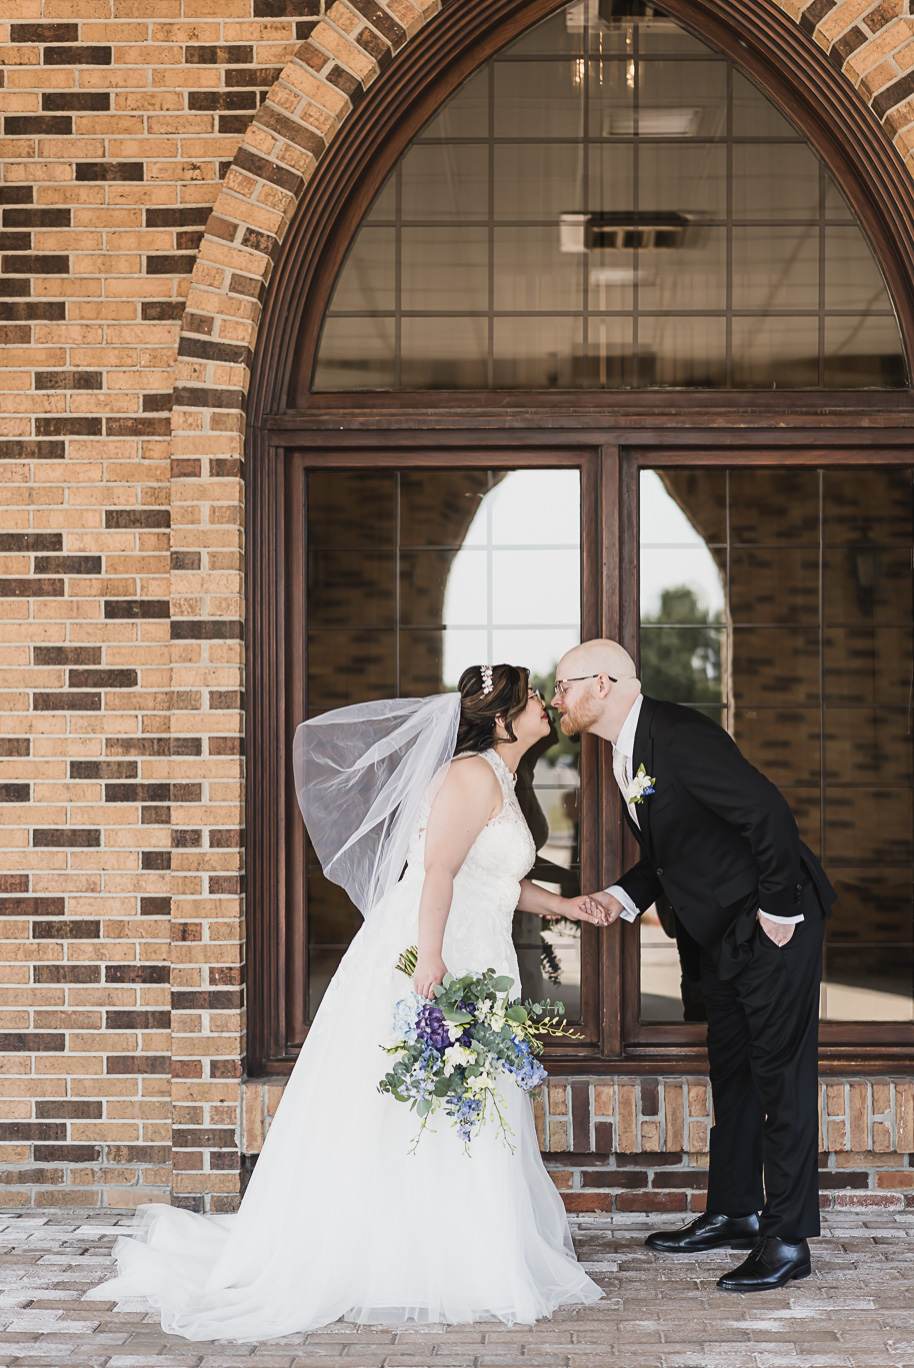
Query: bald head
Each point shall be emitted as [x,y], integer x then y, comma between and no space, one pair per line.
[600,656]
[603,686]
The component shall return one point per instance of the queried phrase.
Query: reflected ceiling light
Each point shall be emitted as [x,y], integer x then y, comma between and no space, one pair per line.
[652,123]
[619,275]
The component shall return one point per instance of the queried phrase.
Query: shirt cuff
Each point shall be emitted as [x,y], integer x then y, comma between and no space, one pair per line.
[629,911]
[782,921]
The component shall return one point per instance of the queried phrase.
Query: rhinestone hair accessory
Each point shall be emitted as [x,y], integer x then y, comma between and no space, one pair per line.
[486,672]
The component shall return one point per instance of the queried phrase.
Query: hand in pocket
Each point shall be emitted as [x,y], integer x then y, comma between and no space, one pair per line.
[776,931]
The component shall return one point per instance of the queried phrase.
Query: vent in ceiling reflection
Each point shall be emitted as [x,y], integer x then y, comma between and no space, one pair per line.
[609,203]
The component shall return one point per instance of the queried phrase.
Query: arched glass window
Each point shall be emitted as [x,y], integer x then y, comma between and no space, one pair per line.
[609,203]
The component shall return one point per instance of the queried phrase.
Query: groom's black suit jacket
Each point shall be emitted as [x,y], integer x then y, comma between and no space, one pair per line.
[714,831]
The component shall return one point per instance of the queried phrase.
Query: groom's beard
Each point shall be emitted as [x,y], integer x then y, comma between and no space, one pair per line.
[580,717]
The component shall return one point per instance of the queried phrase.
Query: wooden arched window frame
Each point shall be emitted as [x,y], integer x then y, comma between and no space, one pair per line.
[618,432]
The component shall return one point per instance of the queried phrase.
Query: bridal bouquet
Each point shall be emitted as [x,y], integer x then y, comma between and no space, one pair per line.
[448,1053]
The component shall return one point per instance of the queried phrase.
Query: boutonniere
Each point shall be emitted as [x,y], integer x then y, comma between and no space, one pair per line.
[640,787]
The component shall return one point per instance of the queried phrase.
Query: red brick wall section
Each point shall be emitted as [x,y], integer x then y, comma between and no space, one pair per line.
[130,129]
[641,1144]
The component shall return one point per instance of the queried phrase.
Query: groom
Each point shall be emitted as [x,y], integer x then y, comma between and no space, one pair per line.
[750,900]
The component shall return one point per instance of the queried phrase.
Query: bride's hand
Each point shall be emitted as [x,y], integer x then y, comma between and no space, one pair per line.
[584,908]
[430,970]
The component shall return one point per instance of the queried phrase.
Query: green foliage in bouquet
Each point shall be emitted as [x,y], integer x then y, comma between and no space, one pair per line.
[449,1052]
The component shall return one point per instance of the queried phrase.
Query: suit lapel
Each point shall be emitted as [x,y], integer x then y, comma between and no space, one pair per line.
[644,754]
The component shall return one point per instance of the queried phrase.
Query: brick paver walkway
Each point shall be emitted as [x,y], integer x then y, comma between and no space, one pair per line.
[856,1310]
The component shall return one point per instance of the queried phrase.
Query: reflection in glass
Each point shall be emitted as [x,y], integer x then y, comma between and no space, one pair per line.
[411,576]
[807,641]
[659,221]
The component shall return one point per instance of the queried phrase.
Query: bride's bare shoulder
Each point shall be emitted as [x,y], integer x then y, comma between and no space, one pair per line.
[470,772]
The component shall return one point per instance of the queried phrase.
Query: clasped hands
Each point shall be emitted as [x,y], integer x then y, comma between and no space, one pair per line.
[603,909]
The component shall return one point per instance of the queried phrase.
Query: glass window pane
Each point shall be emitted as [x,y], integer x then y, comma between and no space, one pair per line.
[774,584]
[771,664]
[610,361]
[869,825]
[538,180]
[820,703]
[871,983]
[444,352]
[853,281]
[538,353]
[682,507]
[533,273]
[775,353]
[680,584]
[862,741]
[683,179]
[445,269]
[539,99]
[868,665]
[776,181]
[611,186]
[868,505]
[689,278]
[862,353]
[449,182]
[355,510]
[754,116]
[784,743]
[466,114]
[560,33]
[487,563]
[441,507]
[771,506]
[612,97]
[683,664]
[776,268]
[367,284]
[665,988]
[667,88]
[349,667]
[536,508]
[689,193]
[438,586]
[689,352]
[536,587]
[357,353]
[346,590]
[873,905]
[865,583]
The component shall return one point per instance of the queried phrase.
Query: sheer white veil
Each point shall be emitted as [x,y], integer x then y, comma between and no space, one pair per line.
[361,774]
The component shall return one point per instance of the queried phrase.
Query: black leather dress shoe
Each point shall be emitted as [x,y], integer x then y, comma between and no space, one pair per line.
[709,1231]
[772,1263]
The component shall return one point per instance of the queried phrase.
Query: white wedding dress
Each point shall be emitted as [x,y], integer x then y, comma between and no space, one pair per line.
[340,1219]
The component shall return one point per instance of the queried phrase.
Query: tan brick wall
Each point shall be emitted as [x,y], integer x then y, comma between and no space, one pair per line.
[128,132]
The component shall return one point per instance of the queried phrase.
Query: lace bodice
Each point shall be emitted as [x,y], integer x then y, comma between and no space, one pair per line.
[487,885]
[486,892]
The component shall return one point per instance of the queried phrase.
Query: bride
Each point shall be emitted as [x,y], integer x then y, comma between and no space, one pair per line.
[339,1218]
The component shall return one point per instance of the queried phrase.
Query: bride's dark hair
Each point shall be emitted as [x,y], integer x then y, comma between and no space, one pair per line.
[478,711]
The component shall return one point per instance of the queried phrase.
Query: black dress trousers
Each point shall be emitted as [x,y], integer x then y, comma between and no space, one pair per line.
[763,1054]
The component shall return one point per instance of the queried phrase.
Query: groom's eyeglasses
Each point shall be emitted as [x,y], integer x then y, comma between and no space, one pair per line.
[561,685]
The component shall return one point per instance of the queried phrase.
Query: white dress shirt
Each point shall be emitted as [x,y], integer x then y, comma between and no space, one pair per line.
[623,759]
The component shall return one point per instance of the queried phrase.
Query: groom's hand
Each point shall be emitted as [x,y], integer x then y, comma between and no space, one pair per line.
[779,932]
[585,908]
[611,906]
